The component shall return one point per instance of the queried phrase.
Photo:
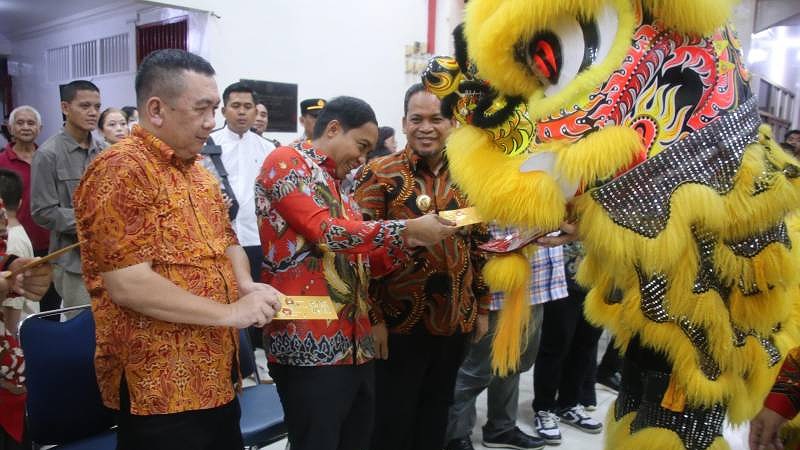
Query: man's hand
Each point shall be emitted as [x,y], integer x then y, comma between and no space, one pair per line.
[254,309]
[250,287]
[428,230]
[764,430]
[228,201]
[569,233]
[481,327]
[380,337]
[32,283]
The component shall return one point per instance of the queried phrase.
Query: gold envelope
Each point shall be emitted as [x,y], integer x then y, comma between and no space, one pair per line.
[462,217]
[298,307]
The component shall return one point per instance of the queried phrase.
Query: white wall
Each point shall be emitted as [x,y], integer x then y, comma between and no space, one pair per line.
[27,58]
[5,45]
[347,47]
[30,84]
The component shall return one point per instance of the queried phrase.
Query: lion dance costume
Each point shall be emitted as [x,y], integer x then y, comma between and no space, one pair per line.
[635,119]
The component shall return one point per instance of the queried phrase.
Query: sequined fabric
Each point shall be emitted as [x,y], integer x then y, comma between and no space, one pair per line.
[639,200]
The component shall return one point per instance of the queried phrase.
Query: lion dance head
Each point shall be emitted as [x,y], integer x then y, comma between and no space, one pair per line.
[635,118]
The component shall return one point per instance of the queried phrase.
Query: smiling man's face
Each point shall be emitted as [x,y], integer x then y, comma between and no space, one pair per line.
[424,125]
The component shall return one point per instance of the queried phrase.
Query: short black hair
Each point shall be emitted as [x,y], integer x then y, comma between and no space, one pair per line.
[101,121]
[69,90]
[350,112]
[237,87]
[789,133]
[384,133]
[10,189]
[413,89]
[159,73]
[128,110]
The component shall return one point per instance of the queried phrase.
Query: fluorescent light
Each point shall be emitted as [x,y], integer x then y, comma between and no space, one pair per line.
[757,55]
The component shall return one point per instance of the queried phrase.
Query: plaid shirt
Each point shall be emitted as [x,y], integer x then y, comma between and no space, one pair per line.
[547,281]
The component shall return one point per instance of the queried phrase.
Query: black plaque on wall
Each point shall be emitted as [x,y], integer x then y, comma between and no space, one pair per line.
[281,101]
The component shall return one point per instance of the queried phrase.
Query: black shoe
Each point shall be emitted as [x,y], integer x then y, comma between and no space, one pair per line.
[459,444]
[612,381]
[515,438]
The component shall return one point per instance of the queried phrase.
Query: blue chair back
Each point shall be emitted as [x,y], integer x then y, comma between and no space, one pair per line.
[64,402]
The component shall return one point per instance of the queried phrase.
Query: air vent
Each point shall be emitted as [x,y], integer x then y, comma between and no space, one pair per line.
[84,59]
[58,64]
[114,54]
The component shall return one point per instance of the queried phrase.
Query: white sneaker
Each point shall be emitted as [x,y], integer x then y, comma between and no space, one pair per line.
[546,424]
[577,417]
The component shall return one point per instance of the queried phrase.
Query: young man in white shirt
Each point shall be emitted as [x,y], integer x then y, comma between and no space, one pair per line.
[241,154]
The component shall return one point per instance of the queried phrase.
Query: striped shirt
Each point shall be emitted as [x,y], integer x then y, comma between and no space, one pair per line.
[548,281]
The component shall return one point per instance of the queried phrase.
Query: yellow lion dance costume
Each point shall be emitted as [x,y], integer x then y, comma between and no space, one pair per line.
[635,119]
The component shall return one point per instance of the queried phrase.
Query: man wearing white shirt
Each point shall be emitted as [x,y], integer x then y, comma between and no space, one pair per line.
[242,154]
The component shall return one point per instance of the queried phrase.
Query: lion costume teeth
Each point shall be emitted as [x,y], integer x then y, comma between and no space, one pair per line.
[684,205]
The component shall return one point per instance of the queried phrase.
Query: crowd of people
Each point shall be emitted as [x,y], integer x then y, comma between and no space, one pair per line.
[187,232]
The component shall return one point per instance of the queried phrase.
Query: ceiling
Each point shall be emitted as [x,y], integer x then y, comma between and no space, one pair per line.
[17,16]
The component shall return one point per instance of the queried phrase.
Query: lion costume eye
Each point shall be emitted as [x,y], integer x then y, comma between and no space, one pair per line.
[557,55]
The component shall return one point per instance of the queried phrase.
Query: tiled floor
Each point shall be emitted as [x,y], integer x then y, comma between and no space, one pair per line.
[572,439]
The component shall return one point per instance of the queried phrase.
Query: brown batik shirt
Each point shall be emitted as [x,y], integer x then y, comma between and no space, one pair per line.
[441,290]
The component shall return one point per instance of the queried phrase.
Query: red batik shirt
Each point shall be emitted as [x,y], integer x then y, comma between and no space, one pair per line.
[315,243]
[785,396]
[441,291]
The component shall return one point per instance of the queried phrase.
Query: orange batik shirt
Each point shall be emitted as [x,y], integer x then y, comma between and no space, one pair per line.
[137,203]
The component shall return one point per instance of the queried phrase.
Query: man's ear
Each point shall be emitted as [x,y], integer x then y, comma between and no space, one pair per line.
[153,111]
[333,128]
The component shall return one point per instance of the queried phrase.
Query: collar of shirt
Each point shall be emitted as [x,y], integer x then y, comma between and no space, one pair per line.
[12,154]
[230,135]
[416,161]
[327,164]
[94,145]
[161,149]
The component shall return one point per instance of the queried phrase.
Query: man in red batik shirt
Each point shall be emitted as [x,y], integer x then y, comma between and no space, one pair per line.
[315,243]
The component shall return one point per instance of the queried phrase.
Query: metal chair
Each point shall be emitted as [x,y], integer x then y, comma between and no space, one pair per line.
[262,412]
[64,406]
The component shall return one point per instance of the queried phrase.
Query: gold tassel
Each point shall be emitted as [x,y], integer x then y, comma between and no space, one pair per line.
[509,274]
[512,325]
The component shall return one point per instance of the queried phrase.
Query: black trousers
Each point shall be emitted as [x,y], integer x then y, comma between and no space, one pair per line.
[611,362]
[415,389]
[327,407]
[568,345]
[205,429]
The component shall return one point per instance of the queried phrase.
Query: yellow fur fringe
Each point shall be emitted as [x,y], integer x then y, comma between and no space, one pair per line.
[697,17]
[509,274]
[486,175]
[599,155]
[494,27]
[619,437]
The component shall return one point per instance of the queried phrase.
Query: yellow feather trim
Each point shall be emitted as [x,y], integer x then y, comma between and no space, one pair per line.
[512,324]
[509,274]
[493,29]
[697,17]
[485,175]
[600,155]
